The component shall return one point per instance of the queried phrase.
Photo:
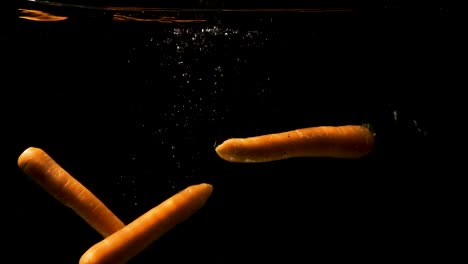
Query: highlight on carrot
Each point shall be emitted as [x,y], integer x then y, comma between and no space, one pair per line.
[45,171]
[347,141]
[126,243]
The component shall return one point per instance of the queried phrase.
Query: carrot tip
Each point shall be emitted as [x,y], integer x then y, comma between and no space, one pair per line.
[209,188]
[224,150]
[27,156]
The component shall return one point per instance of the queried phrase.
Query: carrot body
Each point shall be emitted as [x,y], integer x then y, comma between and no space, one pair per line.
[37,164]
[124,244]
[349,141]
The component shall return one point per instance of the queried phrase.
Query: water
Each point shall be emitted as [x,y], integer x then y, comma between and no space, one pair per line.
[132,102]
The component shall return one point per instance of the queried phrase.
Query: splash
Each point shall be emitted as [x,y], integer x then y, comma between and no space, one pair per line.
[37,15]
[160,19]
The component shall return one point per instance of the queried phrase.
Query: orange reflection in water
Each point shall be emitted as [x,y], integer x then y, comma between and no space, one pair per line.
[37,15]
[161,19]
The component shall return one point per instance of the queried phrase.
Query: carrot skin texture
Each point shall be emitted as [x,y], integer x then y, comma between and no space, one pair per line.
[126,243]
[45,171]
[351,141]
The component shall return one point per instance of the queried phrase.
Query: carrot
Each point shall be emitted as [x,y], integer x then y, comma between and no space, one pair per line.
[350,141]
[129,241]
[37,164]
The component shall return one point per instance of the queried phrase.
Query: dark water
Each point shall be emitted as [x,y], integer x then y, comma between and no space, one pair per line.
[132,103]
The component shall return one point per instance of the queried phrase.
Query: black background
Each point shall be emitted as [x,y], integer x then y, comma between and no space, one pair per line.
[100,98]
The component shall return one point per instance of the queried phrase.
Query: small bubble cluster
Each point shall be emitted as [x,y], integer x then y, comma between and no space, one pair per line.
[189,69]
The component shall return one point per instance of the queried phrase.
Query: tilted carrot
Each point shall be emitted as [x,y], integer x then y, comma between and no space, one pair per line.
[124,244]
[349,141]
[37,164]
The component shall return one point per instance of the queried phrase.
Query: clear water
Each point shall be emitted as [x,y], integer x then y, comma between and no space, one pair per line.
[132,101]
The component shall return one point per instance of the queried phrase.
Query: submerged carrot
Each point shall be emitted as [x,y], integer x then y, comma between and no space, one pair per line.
[124,244]
[37,164]
[350,141]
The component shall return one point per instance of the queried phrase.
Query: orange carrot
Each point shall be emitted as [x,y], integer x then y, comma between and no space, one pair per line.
[350,141]
[37,164]
[126,243]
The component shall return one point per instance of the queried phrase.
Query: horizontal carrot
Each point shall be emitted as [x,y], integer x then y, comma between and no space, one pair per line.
[37,164]
[350,141]
[126,243]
